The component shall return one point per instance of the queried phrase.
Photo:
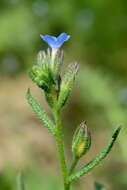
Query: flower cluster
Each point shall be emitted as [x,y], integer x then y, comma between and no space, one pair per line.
[47,72]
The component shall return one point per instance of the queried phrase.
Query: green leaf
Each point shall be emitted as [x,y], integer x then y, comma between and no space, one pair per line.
[99,186]
[40,113]
[87,168]
[20,183]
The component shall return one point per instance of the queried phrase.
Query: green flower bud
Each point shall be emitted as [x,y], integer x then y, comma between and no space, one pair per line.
[45,70]
[46,74]
[81,141]
[67,84]
[40,72]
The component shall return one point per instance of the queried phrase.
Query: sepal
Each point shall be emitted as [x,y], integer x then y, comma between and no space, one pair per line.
[58,62]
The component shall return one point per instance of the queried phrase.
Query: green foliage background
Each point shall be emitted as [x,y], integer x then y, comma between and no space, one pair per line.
[99,43]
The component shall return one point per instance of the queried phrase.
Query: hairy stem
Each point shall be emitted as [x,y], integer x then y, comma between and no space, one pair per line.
[74,163]
[60,146]
[67,186]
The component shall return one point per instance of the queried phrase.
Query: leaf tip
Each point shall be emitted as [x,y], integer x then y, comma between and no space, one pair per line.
[116,133]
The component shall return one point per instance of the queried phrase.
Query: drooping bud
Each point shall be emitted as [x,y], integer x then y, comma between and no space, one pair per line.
[81,141]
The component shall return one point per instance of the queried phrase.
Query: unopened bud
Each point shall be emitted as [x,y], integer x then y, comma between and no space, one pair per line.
[67,84]
[81,140]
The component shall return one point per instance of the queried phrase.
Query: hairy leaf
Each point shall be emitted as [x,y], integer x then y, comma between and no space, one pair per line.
[40,113]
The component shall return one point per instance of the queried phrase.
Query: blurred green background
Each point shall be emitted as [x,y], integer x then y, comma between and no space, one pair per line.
[98,30]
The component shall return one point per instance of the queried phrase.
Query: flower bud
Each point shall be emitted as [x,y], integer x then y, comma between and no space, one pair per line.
[39,72]
[46,75]
[81,140]
[67,84]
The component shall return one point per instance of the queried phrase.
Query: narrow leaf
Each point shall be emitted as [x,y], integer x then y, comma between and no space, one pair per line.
[20,183]
[40,113]
[87,168]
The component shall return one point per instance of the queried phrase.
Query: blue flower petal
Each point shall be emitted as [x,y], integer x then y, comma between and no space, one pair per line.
[55,42]
[50,40]
[62,38]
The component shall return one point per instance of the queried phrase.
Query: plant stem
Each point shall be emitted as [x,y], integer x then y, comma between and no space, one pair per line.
[67,186]
[60,146]
[74,163]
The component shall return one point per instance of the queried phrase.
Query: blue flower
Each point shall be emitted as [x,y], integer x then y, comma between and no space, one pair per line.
[55,42]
